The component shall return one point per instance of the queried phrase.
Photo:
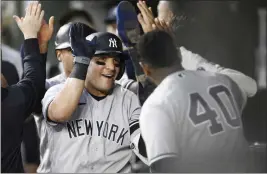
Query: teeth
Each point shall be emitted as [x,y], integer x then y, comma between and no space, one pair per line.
[108,75]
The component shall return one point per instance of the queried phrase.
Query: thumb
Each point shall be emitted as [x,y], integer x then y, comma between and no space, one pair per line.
[17,19]
[51,22]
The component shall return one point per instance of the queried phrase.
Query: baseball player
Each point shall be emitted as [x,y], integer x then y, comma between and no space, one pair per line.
[196,112]
[91,121]
[64,54]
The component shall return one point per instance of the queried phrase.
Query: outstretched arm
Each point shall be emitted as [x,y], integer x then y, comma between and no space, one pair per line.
[192,61]
[33,83]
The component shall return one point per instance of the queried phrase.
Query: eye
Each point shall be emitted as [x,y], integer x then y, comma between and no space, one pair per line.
[117,62]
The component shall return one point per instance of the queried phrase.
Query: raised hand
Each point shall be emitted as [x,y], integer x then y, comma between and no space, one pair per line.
[46,31]
[146,17]
[79,45]
[162,25]
[31,23]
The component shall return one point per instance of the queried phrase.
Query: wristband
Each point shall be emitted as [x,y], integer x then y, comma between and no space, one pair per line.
[79,71]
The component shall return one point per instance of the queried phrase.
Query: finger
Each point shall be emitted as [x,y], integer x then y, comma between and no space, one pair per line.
[41,17]
[163,24]
[148,15]
[154,26]
[150,9]
[38,11]
[141,8]
[51,23]
[141,19]
[34,8]
[17,19]
[158,24]
[147,18]
[22,18]
[143,4]
[167,26]
[29,9]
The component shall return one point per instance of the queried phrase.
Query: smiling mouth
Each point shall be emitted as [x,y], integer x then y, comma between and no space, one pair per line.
[109,76]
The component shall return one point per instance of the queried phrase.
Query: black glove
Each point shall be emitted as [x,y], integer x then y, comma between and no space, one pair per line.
[82,49]
[79,45]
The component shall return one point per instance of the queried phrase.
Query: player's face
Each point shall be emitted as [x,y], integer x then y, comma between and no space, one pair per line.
[66,57]
[164,12]
[101,74]
[111,28]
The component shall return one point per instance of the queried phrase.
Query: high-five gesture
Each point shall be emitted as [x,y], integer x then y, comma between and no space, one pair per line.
[149,22]
[46,31]
[31,23]
[146,17]
[45,34]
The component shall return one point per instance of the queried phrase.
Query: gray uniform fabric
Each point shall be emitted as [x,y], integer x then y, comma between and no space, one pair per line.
[98,136]
[199,125]
[43,132]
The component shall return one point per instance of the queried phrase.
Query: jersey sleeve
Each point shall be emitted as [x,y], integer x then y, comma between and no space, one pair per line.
[159,133]
[134,111]
[137,143]
[48,98]
[192,61]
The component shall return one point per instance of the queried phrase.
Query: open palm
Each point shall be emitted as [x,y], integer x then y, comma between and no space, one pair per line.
[46,31]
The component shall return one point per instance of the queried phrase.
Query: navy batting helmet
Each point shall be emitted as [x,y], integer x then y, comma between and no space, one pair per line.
[63,39]
[109,44]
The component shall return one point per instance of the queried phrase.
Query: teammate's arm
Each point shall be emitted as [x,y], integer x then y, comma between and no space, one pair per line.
[136,138]
[191,61]
[33,83]
[66,101]
[159,133]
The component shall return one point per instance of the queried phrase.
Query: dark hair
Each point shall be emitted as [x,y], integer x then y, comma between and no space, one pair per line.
[157,48]
[66,18]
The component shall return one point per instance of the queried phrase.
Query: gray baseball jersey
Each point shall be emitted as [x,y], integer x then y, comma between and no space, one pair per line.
[43,132]
[98,136]
[196,117]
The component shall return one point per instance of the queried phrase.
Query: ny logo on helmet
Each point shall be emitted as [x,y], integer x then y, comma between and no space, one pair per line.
[112,42]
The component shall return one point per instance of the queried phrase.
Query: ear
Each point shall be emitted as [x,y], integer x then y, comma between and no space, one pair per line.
[4,83]
[145,68]
[58,53]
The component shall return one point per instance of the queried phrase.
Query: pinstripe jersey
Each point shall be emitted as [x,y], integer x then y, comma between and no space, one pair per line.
[98,136]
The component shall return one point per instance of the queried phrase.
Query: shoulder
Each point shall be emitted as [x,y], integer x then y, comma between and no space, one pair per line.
[55,89]
[55,80]
[119,90]
[172,85]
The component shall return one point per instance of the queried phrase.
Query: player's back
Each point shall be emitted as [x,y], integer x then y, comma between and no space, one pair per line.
[206,109]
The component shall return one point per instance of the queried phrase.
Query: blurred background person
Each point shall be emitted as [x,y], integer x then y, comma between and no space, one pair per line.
[77,15]
[74,15]
[10,56]
[110,21]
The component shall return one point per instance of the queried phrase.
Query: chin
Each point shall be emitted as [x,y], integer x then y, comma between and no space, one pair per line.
[106,88]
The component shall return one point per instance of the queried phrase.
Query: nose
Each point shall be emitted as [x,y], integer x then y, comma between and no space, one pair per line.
[110,64]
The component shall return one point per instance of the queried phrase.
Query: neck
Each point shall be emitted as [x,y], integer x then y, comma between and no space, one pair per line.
[90,89]
[159,75]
